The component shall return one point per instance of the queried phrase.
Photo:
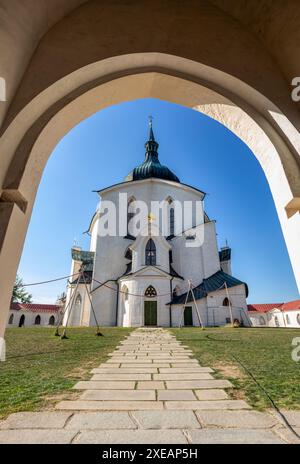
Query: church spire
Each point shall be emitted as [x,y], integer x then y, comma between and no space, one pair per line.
[151,166]
[151,145]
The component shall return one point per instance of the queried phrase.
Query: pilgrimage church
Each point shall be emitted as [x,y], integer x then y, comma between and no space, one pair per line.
[165,273]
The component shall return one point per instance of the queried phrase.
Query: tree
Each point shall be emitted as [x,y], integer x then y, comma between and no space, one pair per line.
[20,295]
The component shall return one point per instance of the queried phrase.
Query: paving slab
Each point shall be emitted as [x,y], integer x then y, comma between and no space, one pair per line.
[246,420]
[152,365]
[293,417]
[132,437]
[197,384]
[139,363]
[287,435]
[183,370]
[35,420]
[126,370]
[199,405]
[166,419]
[97,385]
[151,384]
[186,376]
[213,394]
[85,405]
[109,377]
[175,395]
[35,437]
[228,436]
[101,420]
[116,395]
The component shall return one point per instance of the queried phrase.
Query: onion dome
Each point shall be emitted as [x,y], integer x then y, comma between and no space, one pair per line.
[151,166]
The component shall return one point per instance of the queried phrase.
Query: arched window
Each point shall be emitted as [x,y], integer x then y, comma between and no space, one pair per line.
[298,318]
[51,320]
[150,255]
[150,292]
[125,293]
[172,221]
[11,319]
[277,321]
[226,302]
[262,320]
[130,214]
[287,318]
[37,320]
[22,321]
[78,300]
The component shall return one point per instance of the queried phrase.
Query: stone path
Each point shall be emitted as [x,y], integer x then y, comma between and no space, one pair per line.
[151,390]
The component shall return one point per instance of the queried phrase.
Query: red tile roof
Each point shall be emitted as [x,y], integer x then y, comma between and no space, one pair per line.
[264,308]
[291,305]
[35,308]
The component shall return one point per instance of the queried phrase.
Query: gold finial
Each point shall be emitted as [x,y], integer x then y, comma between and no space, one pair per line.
[151,217]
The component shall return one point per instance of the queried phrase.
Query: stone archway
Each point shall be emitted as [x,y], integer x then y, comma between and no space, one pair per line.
[36,144]
[81,66]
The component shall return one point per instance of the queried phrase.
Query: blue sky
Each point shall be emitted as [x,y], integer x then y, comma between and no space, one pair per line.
[101,150]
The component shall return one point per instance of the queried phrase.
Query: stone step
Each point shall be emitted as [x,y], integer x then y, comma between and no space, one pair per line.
[116,395]
[125,370]
[96,385]
[151,385]
[197,384]
[185,376]
[182,370]
[84,405]
[138,365]
[109,377]
[199,405]
[176,395]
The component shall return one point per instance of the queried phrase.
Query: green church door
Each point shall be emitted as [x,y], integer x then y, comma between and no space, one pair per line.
[150,313]
[188,316]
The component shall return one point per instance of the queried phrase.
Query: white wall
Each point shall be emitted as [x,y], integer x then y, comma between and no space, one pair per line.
[30,318]
[286,319]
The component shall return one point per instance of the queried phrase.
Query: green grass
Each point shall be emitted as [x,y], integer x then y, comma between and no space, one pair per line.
[40,368]
[265,352]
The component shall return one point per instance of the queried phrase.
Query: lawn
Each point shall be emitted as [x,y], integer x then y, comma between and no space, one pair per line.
[265,352]
[40,368]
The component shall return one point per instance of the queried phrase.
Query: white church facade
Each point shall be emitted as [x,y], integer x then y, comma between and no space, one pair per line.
[140,276]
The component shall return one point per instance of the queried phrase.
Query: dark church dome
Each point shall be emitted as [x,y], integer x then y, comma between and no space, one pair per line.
[151,166]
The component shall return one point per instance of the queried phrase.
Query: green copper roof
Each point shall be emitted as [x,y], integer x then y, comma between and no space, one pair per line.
[211,284]
[151,166]
[86,257]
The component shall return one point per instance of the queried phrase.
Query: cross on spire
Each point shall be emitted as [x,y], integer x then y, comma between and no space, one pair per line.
[151,137]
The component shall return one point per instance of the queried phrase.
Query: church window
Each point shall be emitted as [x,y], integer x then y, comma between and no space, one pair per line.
[37,320]
[125,293]
[11,319]
[130,214]
[78,300]
[226,302]
[150,255]
[51,320]
[288,319]
[150,292]
[277,321]
[298,318]
[262,320]
[172,221]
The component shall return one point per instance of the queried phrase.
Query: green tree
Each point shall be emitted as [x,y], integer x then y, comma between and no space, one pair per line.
[20,295]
